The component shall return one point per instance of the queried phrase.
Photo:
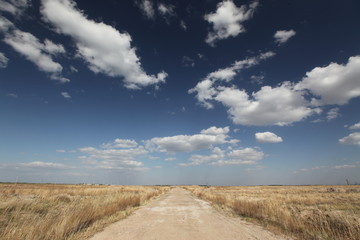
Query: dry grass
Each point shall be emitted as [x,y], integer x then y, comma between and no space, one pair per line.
[306,212]
[48,211]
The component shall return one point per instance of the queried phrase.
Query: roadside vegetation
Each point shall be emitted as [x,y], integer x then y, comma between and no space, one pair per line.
[305,212]
[54,211]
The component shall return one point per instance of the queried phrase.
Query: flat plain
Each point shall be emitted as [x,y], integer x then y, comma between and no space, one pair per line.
[74,212]
[304,212]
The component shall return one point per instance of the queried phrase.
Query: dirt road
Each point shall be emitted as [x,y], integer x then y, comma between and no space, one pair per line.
[179,215]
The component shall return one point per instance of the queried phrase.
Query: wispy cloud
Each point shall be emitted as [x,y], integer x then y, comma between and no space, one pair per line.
[101,46]
[3,60]
[282,36]
[37,52]
[65,95]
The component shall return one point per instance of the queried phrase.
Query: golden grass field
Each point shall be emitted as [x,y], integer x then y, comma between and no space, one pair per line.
[305,212]
[73,212]
[52,212]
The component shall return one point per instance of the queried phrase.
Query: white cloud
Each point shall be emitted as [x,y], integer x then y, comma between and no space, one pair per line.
[39,164]
[53,48]
[333,113]
[120,143]
[344,166]
[60,151]
[197,159]
[73,69]
[282,36]
[189,143]
[114,158]
[105,49]
[15,7]
[215,131]
[267,137]
[333,84]
[286,103]
[65,95]
[147,8]
[183,25]
[32,49]
[355,126]
[337,167]
[206,89]
[241,156]
[166,10]
[280,105]
[3,60]
[227,20]
[170,159]
[5,24]
[352,139]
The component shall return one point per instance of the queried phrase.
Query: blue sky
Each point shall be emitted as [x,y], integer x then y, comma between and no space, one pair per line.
[180,92]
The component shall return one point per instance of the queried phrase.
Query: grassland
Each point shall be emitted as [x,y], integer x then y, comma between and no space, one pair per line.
[305,212]
[48,211]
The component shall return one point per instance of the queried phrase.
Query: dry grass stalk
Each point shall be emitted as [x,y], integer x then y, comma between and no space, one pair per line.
[44,211]
[308,212]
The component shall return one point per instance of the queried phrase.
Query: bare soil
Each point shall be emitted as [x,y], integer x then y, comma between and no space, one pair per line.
[178,215]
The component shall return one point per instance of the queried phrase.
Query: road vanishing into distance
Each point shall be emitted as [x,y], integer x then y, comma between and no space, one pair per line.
[178,215]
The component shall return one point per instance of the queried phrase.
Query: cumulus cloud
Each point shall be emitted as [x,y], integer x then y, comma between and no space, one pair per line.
[114,158]
[267,137]
[120,143]
[219,157]
[197,159]
[3,60]
[282,36]
[241,157]
[38,53]
[206,90]
[333,84]
[103,48]
[227,20]
[286,103]
[352,139]
[189,143]
[355,126]
[147,8]
[280,105]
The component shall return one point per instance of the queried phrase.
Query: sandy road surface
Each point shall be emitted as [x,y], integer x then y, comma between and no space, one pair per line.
[179,215]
